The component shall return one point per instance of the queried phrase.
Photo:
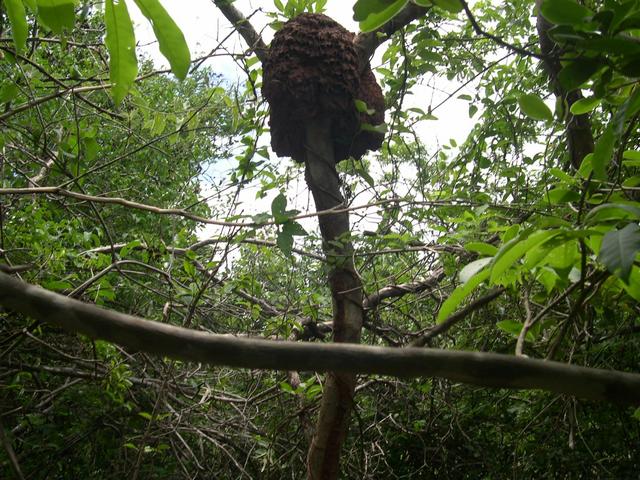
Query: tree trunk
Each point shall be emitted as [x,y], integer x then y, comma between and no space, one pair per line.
[346,292]
[578,127]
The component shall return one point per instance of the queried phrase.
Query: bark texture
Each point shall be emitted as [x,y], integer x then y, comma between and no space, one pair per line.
[476,368]
[578,127]
[346,292]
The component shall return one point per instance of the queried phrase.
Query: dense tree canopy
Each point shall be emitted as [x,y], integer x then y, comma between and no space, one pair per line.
[154,193]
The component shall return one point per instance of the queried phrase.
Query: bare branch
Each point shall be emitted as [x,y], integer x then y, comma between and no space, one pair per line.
[456,317]
[244,28]
[478,29]
[369,42]
[484,369]
[373,300]
[120,201]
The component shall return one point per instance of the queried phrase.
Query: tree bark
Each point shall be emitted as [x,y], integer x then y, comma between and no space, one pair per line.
[475,368]
[346,292]
[578,127]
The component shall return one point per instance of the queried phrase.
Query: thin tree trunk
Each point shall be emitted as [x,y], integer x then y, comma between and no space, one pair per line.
[578,127]
[346,292]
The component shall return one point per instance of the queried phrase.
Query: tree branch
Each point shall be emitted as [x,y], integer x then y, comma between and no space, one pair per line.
[484,369]
[244,28]
[456,317]
[375,299]
[122,202]
[476,27]
[370,41]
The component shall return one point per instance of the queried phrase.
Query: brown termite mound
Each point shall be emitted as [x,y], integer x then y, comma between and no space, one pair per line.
[312,72]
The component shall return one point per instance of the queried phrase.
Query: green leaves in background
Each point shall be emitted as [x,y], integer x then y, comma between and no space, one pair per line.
[534,107]
[565,12]
[619,250]
[172,43]
[373,14]
[57,15]
[120,41]
[18,19]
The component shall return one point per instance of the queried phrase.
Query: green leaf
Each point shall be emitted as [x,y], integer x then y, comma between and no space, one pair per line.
[619,250]
[362,173]
[472,268]
[453,6]
[514,250]
[278,207]
[362,107]
[374,13]
[294,228]
[631,155]
[534,107]
[285,242]
[565,12]
[514,328]
[172,43]
[8,91]
[128,247]
[18,19]
[548,278]
[285,387]
[577,72]
[481,248]
[562,175]
[189,267]
[120,41]
[612,211]
[603,152]
[57,15]
[632,287]
[562,195]
[56,285]
[367,127]
[584,105]
[460,293]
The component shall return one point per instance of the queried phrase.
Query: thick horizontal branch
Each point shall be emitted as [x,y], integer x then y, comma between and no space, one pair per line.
[484,369]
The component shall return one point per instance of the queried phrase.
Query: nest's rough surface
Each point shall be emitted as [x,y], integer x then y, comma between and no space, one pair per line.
[312,72]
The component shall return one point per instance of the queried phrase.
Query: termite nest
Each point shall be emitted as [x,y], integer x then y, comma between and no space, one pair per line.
[313,72]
